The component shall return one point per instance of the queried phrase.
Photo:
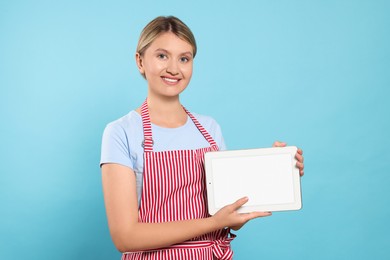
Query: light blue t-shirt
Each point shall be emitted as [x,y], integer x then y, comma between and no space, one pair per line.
[122,141]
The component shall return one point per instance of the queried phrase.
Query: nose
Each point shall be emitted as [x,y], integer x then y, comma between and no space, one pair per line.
[172,67]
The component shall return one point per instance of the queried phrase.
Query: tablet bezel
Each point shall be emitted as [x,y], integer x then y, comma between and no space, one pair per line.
[291,150]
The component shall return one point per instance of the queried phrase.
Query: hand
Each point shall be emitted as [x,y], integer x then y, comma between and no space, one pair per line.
[298,156]
[300,165]
[229,217]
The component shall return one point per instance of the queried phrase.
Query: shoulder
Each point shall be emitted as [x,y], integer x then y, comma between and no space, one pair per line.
[124,129]
[123,124]
[207,122]
[210,124]
[119,138]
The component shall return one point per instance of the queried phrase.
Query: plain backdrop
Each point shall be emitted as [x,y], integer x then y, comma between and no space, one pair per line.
[315,74]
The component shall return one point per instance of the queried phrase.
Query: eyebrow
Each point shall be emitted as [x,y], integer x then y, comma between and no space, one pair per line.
[164,50]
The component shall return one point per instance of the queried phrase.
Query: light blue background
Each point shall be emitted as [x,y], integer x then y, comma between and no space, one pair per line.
[313,73]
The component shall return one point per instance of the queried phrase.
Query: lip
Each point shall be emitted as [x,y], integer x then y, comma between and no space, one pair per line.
[170,80]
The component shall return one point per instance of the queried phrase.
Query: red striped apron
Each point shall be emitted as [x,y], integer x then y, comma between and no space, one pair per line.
[174,189]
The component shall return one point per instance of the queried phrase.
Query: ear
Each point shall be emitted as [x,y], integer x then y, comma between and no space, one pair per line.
[139,61]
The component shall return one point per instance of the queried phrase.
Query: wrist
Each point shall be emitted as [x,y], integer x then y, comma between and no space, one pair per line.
[215,223]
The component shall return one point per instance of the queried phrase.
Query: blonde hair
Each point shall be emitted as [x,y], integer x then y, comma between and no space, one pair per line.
[164,24]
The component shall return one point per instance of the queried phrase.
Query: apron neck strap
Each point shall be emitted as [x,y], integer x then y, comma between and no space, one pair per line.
[206,134]
[147,144]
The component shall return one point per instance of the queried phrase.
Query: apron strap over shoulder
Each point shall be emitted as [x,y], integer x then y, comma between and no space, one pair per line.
[147,143]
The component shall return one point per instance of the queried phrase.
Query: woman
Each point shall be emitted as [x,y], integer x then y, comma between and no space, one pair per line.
[152,161]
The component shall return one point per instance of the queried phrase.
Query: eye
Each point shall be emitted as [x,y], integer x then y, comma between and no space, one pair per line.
[184,59]
[162,56]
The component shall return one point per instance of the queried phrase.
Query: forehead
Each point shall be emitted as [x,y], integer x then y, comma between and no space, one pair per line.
[170,42]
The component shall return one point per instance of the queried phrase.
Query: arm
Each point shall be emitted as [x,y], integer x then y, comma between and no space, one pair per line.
[119,188]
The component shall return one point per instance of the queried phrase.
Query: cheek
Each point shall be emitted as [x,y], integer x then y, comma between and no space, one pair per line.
[188,71]
[154,68]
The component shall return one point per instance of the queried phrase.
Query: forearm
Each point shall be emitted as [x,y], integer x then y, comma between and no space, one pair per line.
[119,187]
[143,236]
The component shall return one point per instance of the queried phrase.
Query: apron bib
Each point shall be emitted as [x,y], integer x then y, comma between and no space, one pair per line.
[173,189]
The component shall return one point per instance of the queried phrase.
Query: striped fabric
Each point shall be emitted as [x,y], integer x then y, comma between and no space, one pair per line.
[174,189]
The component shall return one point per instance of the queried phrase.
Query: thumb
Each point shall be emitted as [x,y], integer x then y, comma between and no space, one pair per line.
[279,144]
[240,202]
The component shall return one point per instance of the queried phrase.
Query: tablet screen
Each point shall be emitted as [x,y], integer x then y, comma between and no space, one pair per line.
[267,176]
[264,179]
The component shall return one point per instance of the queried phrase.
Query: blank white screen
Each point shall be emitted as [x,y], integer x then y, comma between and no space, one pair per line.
[265,179]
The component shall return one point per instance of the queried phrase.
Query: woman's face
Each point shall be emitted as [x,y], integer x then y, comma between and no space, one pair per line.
[167,65]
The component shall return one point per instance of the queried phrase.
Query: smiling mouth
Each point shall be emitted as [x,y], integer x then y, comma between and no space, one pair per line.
[170,80]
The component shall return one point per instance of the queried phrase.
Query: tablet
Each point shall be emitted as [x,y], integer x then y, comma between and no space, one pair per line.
[267,176]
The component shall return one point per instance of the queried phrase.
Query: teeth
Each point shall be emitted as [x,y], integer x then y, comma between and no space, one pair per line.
[170,80]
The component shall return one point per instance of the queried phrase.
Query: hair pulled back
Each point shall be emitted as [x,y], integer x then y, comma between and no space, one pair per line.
[161,25]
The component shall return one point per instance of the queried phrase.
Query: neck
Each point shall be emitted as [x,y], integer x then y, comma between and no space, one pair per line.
[166,112]
[166,105]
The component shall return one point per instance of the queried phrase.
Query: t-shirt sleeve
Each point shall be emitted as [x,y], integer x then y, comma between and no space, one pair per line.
[218,137]
[115,147]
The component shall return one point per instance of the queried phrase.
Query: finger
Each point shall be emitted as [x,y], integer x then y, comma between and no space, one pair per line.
[256,214]
[239,203]
[300,166]
[279,144]
[300,151]
[299,157]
